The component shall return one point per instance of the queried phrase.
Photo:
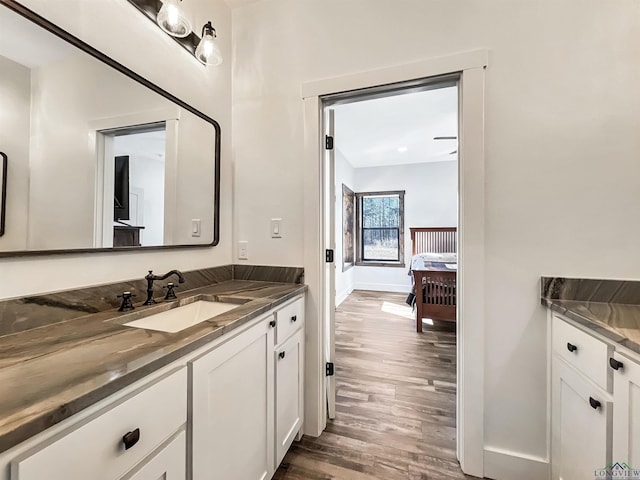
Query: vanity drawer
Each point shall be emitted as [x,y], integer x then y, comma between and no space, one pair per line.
[96,448]
[586,353]
[289,318]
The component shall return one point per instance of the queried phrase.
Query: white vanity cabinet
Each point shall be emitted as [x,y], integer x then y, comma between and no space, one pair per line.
[247,400]
[626,414]
[289,372]
[151,412]
[581,402]
[232,413]
[227,411]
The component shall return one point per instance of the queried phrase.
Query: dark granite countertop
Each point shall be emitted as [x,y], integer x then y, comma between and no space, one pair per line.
[610,308]
[53,371]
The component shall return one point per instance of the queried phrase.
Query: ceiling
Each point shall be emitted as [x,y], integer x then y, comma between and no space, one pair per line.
[399,129]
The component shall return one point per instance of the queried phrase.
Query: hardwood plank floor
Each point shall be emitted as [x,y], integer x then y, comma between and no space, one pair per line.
[395,399]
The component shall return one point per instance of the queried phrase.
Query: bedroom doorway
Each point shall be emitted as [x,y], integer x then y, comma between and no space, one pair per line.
[470,67]
[391,167]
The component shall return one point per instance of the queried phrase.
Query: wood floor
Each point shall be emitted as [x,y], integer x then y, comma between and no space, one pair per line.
[395,405]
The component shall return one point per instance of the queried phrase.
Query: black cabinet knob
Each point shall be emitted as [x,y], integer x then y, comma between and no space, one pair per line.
[294,318]
[281,354]
[595,404]
[131,438]
[571,347]
[615,364]
[272,324]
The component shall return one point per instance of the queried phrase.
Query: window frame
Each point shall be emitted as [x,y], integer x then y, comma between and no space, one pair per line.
[360,261]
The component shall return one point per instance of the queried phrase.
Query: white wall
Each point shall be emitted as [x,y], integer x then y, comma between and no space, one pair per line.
[120,31]
[67,97]
[15,98]
[344,174]
[431,200]
[562,115]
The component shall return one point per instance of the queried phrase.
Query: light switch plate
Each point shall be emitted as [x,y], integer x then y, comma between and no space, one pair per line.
[276,228]
[196,226]
[243,250]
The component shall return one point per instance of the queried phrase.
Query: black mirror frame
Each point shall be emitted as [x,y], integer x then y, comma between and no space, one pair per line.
[3,191]
[52,28]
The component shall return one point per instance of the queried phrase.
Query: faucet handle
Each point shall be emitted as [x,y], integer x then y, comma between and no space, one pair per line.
[170,293]
[126,301]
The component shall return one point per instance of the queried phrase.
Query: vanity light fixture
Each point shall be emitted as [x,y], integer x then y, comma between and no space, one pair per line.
[170,16]
[208,51]
[172,19]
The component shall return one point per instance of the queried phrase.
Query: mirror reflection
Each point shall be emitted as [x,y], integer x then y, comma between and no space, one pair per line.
[95,158]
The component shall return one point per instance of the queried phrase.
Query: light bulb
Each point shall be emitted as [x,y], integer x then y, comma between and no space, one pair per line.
[172,19]
[208,51]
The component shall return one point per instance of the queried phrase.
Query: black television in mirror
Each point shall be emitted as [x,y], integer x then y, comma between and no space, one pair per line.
[121,189]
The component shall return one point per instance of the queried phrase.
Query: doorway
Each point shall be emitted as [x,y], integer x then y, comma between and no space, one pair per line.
[391,166]
[132,179]
[470,67]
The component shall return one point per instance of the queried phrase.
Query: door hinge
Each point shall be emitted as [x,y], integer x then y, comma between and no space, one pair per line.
[328,142]
[329,369]
[328,255]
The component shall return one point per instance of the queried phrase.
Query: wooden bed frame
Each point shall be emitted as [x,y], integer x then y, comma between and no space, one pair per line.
[435,289]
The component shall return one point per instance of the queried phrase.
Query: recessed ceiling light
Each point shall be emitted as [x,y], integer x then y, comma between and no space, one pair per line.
[402,149]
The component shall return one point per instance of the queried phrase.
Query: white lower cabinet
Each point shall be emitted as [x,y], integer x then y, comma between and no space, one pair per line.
[289,392]
[581,425]
[626,414]
[595,405]
[232,416]
[247,399]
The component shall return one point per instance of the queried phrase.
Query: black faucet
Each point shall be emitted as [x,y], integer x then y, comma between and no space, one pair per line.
[150,277]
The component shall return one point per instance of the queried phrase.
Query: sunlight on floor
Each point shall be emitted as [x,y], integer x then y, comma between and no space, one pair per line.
[400,310]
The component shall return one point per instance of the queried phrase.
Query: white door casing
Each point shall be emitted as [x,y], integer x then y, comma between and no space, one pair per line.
[470,67]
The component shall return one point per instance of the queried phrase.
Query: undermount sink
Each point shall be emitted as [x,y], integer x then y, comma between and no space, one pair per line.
[182,317]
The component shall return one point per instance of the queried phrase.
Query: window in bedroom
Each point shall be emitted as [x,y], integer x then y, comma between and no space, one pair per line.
[380,228]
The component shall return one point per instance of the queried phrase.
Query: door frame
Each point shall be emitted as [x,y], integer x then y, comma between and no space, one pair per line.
[470,66]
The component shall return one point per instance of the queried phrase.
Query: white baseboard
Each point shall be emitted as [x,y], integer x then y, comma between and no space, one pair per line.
[506,465]
[383,287]
[342,296]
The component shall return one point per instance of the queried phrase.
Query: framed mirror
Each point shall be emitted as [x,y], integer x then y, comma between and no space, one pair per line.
[97,158]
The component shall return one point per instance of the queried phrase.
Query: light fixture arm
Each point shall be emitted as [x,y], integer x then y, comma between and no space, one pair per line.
[208,28]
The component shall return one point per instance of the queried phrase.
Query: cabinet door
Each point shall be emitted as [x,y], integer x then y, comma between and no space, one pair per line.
[289,388]
[232,420]
[626,414]
[168,464]
[581,428]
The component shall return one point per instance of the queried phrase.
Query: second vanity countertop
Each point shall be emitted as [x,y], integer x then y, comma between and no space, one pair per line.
[49,373]
[610,308]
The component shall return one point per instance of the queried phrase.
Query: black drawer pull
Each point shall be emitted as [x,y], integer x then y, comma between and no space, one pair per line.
[615,364]
[294,318]
[272,324]
[595,404]
[281,354]
[571,347]
[131,438]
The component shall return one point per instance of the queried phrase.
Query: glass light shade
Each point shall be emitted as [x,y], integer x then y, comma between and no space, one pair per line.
[172,19]
[208,51]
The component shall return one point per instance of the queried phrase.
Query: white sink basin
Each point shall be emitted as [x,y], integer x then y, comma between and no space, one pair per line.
[186,316]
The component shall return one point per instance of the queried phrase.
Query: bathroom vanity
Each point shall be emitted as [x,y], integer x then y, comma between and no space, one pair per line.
[93,398]
[594,350]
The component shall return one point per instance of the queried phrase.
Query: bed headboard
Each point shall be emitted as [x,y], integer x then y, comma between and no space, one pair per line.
[433,239]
